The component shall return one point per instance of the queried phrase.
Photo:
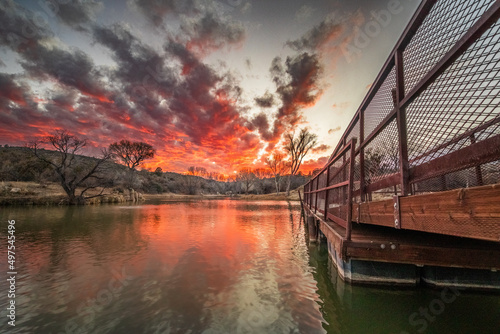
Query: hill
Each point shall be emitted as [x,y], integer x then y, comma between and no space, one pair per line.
[24,178]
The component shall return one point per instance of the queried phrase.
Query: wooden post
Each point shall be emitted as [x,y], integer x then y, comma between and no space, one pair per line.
[311,228]
[301,203]
[404,165]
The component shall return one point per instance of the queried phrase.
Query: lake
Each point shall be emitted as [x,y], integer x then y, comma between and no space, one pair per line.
[214,266]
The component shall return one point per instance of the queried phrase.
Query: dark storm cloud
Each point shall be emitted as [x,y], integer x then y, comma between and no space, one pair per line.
[298,87]
[265,101]
[200,101]
[11,90]
[261,124]
[319,35]
[19,30]
[74,13]
[73,68]
[212,31]
[156,10]
[138,64]
[204,25]
[43,58]
[65,99]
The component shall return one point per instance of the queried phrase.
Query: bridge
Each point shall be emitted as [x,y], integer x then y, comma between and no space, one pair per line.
[412,191]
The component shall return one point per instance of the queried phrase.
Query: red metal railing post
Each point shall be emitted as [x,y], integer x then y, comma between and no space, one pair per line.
[362,156]
[326,192]
[317,192]
[479,173]
[404,165]
[348,230]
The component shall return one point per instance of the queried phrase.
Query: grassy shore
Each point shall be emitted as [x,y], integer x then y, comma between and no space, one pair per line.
[294,196]
[31,193]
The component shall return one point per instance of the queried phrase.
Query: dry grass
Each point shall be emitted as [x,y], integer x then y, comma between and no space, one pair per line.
[294,196]
[32,193]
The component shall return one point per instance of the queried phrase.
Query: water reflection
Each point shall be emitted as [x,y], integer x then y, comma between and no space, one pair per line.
[185,267]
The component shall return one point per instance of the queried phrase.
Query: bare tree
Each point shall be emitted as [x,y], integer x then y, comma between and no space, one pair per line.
[297,148]
[197,171]
[278,167]
[73,170]
[131,154]
[247,178]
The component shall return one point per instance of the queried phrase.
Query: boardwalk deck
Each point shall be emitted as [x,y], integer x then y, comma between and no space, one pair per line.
[471,212]
[428,131]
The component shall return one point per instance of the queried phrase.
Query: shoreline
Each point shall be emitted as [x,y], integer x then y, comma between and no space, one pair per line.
[275,197]
[32,194]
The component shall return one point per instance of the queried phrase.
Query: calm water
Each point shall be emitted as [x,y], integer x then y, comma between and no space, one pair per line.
[203,267]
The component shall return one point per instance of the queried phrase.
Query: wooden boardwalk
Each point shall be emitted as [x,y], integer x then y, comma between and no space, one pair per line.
[412,189]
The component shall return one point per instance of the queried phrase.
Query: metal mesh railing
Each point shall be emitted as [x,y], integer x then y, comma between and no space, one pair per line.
[448,21]
[431,121]
[381,104]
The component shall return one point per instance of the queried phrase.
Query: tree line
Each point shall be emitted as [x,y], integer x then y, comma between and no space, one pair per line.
[59,157]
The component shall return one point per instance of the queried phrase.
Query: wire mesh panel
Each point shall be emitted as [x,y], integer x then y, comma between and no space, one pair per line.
[381,104]
[321,196]
[353,134]
[356,185]
[465,97]
[338,206]
[382,155]
[447,22]
[338,197]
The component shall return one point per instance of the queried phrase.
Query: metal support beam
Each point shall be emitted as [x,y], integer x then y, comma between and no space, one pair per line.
[479,173]
[404,166]
[362,156]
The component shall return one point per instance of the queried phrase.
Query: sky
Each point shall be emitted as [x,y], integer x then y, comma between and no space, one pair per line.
[213,83]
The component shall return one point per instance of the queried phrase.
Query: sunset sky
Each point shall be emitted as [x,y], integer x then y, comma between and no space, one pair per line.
[208,83]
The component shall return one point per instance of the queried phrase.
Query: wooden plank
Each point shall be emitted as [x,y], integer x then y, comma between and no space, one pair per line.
[379,213]
[337,220]
[428,255]
[471,212]
[334,235]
